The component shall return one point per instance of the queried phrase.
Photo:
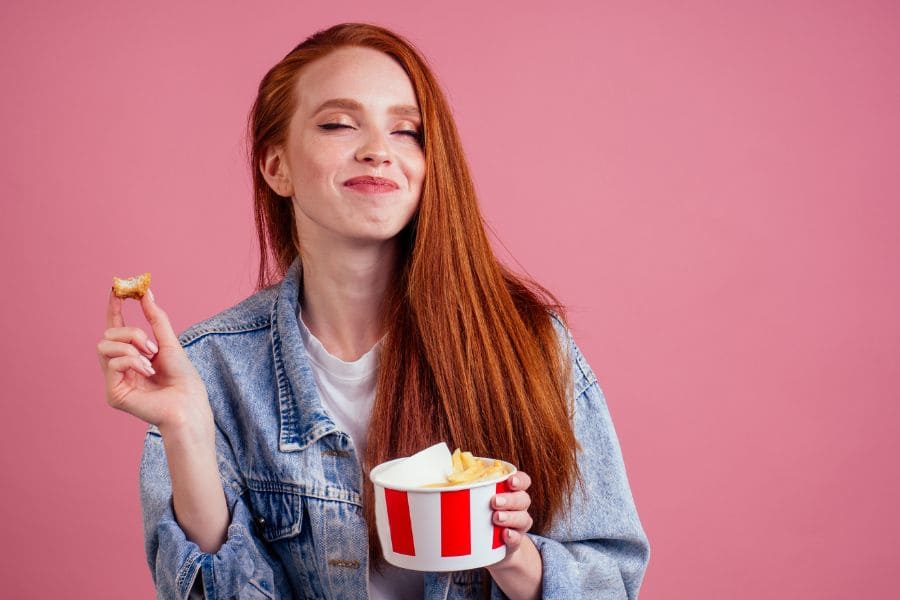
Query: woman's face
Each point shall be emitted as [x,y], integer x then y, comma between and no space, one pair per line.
[357,116]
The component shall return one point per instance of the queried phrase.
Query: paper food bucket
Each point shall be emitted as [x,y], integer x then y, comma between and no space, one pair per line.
[439,529]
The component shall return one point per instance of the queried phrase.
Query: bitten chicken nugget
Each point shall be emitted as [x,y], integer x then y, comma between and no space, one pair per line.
[132,287]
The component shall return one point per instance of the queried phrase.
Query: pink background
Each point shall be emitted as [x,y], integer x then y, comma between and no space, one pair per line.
[713,191]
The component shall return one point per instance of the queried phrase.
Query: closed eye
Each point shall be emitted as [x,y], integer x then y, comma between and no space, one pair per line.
[415,135]
[330,126]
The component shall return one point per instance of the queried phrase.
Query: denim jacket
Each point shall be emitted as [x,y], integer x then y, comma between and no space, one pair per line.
[293,484]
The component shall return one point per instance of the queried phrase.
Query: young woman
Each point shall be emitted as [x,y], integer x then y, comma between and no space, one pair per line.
[382,324]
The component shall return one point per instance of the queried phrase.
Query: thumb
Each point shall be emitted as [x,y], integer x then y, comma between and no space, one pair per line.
[159,321]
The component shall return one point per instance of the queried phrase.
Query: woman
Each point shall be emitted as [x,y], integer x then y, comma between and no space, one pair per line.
[385,325]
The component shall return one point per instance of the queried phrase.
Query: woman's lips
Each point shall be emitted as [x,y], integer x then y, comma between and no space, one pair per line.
[371,185]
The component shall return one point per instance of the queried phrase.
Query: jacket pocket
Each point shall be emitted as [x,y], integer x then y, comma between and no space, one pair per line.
[281,520]
[277,509]
[467,584]
[257,588]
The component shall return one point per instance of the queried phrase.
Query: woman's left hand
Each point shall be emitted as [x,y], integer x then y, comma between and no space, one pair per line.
[511,513]
[520,573]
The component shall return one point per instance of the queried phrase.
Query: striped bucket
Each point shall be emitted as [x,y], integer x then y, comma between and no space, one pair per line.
[439,529]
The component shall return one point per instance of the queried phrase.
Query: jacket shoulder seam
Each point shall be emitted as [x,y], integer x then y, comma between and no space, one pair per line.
[199,331]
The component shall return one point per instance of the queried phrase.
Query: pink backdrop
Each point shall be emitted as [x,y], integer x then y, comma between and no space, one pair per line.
[713,191]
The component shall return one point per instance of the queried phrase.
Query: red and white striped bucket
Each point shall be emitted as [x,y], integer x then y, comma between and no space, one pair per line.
[439,529]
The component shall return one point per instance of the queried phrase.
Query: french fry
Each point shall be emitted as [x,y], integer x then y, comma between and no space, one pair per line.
[468,469]
[467,475]
[457,461]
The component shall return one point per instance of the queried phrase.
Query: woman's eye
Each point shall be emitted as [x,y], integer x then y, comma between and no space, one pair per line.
[332,126]
[415,135]
[412,133]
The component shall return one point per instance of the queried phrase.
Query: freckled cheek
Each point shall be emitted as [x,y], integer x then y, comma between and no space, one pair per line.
[320,165]
[315,174]
[415,173]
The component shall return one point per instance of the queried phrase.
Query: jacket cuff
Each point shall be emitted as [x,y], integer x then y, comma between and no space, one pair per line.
[221,575]
[612,569]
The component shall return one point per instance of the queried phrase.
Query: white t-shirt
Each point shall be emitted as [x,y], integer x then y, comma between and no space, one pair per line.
[347,391]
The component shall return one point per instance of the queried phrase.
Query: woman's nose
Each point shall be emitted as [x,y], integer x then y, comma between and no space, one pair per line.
[374,150]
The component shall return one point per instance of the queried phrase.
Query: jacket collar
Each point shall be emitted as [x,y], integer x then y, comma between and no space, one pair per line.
[303,420]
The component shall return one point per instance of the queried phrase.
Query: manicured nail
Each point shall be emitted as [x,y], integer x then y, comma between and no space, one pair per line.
[501,516]
[152,347]
[514,481]
[500,501]
[510,534]
[147,363]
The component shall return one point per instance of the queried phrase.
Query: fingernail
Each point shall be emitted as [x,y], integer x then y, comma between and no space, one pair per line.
[500,501]
[152,347]
[146,362]
[150,293]
[501,516]
[151,371]
[510,534]
[514,481]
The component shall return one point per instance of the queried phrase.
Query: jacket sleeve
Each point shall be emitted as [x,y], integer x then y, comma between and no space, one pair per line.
[597,548]
[241,568]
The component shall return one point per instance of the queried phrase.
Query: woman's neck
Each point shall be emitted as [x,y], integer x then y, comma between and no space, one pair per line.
[342,295]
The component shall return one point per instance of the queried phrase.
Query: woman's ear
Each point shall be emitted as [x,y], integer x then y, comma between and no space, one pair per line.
[274,170]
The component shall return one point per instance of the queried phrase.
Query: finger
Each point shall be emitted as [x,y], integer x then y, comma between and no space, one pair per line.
[132,335]
[159,321]
[519,520]
[512,501]
[122,364]
[520,481]
[114,316]
[512,539]
[108,349]
[123,395]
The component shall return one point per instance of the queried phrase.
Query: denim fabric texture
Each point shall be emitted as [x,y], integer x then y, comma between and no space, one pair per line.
[293,484]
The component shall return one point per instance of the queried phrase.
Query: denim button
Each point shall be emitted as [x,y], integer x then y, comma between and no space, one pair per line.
[341,562]
[336,453]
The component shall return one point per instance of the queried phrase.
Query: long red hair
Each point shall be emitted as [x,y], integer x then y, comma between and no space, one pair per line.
[470,355]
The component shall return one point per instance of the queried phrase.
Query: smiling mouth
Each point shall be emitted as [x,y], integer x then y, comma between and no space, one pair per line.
[371,185]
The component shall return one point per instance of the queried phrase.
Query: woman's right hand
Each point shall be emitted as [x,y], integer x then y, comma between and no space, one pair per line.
[156,383]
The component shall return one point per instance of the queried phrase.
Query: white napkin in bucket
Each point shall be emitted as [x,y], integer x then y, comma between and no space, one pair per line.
[431,465]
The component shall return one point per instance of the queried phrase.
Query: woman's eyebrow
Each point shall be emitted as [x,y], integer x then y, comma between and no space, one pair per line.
[404,110]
